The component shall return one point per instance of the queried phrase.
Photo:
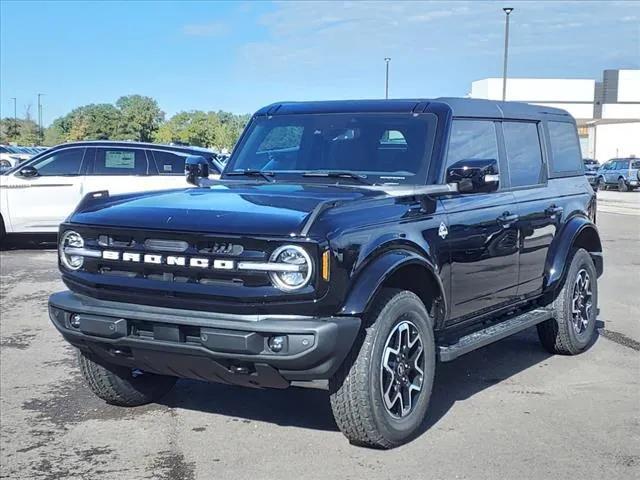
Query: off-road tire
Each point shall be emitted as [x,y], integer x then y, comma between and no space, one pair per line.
[622,185]
[558,335]
[118,386]
[356,392]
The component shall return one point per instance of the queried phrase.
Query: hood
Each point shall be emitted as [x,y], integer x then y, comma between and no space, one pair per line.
[279,209]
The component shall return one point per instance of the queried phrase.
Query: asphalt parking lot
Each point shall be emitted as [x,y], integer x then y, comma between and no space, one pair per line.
[507,411]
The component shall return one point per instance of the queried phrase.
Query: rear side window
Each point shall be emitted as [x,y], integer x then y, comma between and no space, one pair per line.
[169,163]
[565,149]
[524,154]
[472,140]
[635,164]
[64,162]
[120,161]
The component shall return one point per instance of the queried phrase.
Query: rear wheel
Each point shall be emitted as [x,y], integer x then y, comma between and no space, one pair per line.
[622,185]
[123,386]
[380,395]
[575,309]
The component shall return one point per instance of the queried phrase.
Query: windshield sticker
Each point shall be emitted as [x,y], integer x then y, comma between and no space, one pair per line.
[115,159]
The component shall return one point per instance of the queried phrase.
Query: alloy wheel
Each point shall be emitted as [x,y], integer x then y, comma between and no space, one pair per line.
[402,369]
[582,302]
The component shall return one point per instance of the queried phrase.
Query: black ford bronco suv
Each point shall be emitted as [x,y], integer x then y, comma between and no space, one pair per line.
[360,242]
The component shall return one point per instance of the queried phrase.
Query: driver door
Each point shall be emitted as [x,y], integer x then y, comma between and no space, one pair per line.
[40,203]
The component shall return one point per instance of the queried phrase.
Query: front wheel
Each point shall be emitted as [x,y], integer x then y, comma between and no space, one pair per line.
[380,395]
[122,386]
[622,185]
[601,184]
[575,309]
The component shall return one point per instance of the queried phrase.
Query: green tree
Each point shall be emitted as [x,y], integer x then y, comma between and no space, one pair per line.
[140,118]
[92,122]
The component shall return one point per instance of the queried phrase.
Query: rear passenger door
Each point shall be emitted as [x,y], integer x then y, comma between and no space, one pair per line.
[540,212]
[118,170]
[482,236]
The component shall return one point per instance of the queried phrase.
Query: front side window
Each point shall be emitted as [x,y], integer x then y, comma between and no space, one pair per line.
[524,154]
[472,140]
[565,149]
[381,148]
[62,163]
[120,161]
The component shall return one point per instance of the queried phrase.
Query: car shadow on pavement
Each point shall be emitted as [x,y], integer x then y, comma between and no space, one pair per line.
[41,241]
[309,407]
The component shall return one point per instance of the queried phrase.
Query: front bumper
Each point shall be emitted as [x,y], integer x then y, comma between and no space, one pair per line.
[204,345]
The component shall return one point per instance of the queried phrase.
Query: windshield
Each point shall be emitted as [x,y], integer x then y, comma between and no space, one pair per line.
[381,148]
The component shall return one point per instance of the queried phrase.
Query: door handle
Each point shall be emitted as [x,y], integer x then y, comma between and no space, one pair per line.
[553,210]
[507,219]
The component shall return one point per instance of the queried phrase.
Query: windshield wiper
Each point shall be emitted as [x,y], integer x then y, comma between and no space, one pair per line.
[339,174]
[252,172]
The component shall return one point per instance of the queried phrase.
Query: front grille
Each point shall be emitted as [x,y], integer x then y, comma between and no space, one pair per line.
[166,248]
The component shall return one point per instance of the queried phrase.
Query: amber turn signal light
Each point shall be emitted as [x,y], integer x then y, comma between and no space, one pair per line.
[326,265]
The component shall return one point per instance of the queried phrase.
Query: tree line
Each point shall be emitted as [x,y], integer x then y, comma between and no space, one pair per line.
[132,117]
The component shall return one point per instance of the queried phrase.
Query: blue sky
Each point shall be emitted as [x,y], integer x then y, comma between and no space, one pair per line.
[238,56]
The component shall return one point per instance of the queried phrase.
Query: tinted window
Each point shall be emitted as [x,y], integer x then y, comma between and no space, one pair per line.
[169,163]
[564,147]
[635,164]
[472,140]
[393,148]
[120,161]
[523,153]
[622,164]
[64,162]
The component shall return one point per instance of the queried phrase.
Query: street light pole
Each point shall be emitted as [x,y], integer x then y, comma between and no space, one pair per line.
[507,11]
[386,83]
[40,118]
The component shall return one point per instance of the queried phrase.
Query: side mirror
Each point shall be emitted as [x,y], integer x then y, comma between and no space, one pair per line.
[474,176]
[28,171]
[195,168]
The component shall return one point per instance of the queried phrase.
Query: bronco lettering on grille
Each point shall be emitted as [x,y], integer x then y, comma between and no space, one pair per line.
[172,260]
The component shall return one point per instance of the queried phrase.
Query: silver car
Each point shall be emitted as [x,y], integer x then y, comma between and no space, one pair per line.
[623,173]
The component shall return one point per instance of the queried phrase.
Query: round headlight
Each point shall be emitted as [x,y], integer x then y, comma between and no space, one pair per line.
[74,240]
[301,268]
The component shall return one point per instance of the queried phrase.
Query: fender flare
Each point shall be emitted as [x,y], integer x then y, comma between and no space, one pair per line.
[370,279]
[557,259]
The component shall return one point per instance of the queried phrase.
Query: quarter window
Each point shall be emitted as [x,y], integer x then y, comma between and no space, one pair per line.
[64,162]
[524,154]
[565,148]
[120,161]
[472,140]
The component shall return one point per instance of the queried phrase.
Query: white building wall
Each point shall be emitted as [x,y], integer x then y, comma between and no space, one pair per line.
[536,89]
[622,111]
[629,86]
[615,140]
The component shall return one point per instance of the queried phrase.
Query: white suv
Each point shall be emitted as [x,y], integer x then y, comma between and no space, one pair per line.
[37,195]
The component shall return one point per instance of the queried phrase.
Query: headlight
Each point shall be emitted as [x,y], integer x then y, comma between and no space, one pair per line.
[295,278]
[70,240]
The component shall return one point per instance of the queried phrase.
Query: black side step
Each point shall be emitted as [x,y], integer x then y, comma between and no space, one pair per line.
[492,334]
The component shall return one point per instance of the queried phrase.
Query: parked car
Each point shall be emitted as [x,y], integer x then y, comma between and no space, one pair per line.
[354,241]
[591,167]
[35,197]
[10,156]
[623,173]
